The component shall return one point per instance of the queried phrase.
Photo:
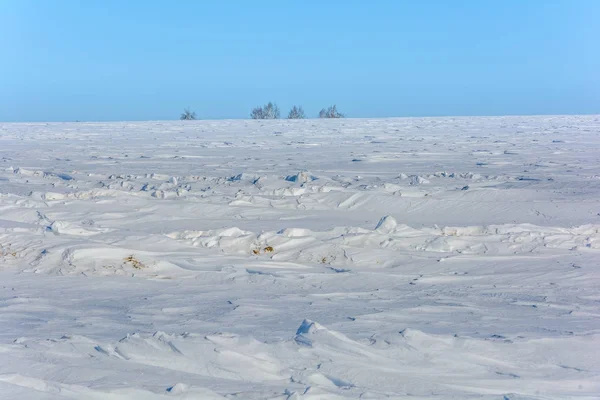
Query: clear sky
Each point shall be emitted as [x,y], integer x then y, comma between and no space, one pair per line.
[92,60]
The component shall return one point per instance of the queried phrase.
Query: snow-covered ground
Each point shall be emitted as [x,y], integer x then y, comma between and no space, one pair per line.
[433,258]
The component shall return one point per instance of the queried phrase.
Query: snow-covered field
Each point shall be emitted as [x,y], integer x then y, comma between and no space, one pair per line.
[433,258]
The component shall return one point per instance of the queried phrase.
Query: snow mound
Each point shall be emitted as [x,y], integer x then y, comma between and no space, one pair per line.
[417,180]
[301,177]
[308,327]
[244,177]
[387,224]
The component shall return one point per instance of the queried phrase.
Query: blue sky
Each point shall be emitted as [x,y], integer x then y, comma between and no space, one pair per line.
[144,60]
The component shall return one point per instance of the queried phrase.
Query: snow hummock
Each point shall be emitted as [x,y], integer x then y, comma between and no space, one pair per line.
[387,224]
[301,177]
[308,327]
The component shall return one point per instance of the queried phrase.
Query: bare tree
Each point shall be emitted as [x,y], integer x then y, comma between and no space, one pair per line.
[296,113]
[268,111]
[330,112]
[187,115]
[271,111]
[256,113]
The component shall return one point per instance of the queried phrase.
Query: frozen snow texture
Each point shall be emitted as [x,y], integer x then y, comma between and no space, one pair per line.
[177,260]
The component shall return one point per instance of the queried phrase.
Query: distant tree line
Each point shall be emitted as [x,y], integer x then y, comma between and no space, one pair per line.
[271,111]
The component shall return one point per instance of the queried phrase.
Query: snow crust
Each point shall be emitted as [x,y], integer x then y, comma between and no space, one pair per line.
[421,258]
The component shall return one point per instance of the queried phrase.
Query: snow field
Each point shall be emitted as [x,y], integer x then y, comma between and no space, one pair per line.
[432,258]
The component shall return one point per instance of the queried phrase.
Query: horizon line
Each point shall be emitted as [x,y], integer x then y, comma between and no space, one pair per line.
[305,119]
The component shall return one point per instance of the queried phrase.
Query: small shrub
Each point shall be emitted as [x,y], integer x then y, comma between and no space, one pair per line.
[135,263]
[187,115]
[258,251]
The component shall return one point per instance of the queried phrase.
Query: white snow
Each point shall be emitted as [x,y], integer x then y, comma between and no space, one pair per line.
[422,258]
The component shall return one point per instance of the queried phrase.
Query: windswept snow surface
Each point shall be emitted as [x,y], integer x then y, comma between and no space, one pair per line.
[433,258]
